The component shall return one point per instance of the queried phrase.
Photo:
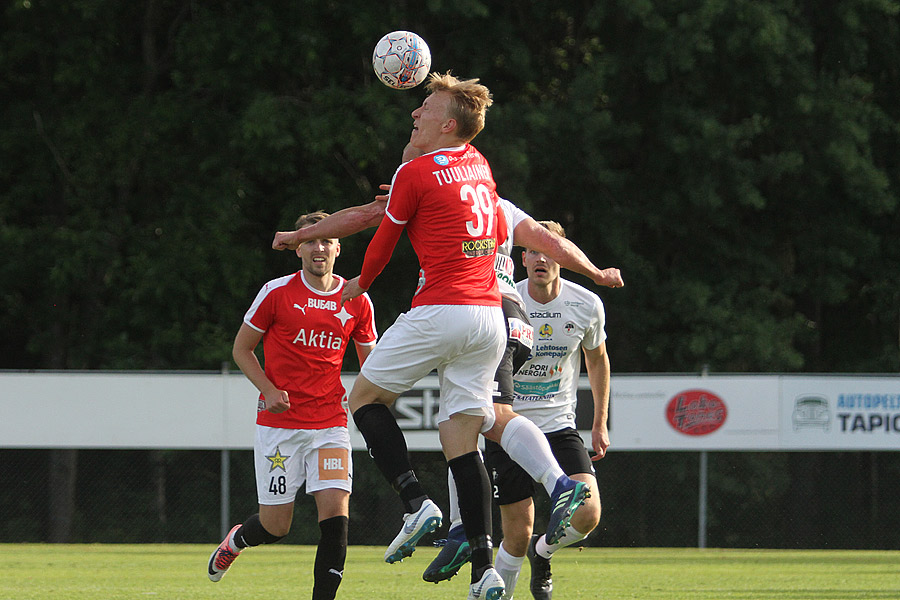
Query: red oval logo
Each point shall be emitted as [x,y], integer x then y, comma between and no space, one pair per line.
[696,412]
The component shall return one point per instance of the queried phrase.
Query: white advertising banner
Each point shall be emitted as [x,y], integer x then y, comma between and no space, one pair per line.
[126,410]
[647,412]
[755,412]
[846,413]
[694,413]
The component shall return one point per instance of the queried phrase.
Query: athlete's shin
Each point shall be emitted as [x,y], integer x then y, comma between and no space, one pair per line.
[330,557]
[509,566]
[528,446]
[569,537]
[387,447]
[587,516]
[253,533]
[475,507]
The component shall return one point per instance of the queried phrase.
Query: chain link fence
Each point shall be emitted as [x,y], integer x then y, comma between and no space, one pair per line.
[754,499]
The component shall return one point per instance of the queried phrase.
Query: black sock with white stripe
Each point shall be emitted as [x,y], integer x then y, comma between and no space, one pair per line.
[330,556]
[252,533]
[387,447]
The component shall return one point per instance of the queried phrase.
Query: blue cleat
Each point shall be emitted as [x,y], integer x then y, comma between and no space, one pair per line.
[451,558]
[567,496]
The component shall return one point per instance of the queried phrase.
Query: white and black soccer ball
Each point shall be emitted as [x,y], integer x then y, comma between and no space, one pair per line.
[401,60]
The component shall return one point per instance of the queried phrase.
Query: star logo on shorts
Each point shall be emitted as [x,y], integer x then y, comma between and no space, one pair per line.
[277,460]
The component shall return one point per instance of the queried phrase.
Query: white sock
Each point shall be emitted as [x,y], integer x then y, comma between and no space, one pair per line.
[509,567]
[455,518]
[569,537]
[528,446]
[232,545]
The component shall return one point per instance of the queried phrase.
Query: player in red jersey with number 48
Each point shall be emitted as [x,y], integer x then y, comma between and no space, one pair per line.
[301,432]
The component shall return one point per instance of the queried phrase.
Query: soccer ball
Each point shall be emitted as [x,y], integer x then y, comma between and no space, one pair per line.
[401,60]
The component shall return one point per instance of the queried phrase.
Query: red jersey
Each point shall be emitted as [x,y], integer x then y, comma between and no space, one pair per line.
[447,202]
[305,335]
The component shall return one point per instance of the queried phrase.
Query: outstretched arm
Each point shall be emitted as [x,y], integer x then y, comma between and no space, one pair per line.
[378,254]
[344,222]
[532,235]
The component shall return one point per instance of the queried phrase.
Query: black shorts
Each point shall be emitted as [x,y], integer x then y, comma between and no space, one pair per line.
[515,355]
[510,481]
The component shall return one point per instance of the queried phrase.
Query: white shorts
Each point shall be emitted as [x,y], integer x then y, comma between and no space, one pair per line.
[463,342]
[285,459]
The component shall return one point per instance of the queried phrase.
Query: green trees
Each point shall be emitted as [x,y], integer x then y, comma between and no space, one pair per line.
[731,157]
[737,159]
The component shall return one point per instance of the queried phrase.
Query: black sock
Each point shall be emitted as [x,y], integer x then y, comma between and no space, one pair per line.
[330,556]
[411,492]
[474,491]
[252,533]
[387,447]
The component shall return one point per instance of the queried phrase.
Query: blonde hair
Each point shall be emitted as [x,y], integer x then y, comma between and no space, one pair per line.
[309,218]
[469,101]
[554,227]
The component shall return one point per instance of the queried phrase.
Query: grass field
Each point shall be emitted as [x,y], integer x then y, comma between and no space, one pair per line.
[282,572]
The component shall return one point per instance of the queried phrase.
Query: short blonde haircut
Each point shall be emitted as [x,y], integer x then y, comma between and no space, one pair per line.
[554,227]
[309,219]
[469,101]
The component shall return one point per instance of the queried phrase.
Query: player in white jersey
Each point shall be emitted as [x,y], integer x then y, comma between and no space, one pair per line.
[518,436]
[567,318]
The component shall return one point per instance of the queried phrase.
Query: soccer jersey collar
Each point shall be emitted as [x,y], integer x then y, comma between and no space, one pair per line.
[315,290]
[452,149]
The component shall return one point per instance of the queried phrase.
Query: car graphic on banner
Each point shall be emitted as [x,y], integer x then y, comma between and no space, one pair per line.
[811,412]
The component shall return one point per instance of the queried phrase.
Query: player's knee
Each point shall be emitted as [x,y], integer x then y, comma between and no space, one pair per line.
[503,414]
[365,392]
[276,528]
[355,401]
[587,517]
[527,531]
[279,530]
[495,433]
[516,540]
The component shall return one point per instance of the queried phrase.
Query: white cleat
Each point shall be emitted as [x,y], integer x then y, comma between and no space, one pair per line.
[489,587]
[415,525]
